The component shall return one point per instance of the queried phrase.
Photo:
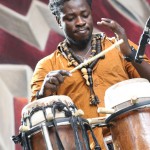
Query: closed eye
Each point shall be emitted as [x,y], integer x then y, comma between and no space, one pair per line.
[69,18]
[85,14]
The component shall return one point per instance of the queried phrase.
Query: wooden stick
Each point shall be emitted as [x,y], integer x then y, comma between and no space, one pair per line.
[97,56]
[96,120]
[104,110]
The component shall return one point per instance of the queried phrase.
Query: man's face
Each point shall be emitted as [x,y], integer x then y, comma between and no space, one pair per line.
[76,21]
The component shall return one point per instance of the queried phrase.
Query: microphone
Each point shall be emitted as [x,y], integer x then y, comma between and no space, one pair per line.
[144,39]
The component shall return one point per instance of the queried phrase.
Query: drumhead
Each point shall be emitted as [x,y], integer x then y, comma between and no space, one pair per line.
[126,90]
[46,101]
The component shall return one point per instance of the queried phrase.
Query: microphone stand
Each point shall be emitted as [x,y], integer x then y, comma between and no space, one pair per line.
[144,40]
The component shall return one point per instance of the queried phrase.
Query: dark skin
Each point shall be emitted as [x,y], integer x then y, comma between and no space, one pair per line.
[77,24]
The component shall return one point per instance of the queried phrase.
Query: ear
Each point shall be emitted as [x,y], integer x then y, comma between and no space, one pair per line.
[59,22]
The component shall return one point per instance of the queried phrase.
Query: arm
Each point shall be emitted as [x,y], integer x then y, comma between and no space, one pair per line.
[143,68]
[51,82]
[45,80]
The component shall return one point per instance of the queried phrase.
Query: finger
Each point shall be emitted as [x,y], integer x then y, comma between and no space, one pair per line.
[106,20]
[51,87]
[65,73]
[54,80]
[57,77]
[62,74]
[105,23]
[50,80]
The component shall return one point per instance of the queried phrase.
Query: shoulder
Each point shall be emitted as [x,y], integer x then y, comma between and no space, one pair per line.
[49,58]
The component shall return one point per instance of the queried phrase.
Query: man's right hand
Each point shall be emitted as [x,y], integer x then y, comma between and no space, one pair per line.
[52,81]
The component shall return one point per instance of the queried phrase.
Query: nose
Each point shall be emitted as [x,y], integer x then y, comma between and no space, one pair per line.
[80,21]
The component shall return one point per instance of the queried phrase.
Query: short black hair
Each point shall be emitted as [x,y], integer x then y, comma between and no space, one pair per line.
[56,6]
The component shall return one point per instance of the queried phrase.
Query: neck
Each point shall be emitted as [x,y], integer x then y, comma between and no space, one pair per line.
[82,49]
[83,45]
[82,52]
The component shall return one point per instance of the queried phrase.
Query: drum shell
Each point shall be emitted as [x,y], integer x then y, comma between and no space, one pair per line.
[66,136]
[54,112]
[131,130]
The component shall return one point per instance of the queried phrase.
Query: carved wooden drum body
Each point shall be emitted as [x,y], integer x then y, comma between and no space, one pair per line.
[130,124]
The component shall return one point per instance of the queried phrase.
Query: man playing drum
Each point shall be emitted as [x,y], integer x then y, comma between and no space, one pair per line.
[86,86]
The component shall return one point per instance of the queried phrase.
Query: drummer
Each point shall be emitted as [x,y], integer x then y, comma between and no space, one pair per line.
[86,86]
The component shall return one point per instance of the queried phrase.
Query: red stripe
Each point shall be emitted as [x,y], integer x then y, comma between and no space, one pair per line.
[19,103]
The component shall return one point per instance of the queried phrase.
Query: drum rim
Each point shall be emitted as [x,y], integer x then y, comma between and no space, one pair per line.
[127,109]
[35,103]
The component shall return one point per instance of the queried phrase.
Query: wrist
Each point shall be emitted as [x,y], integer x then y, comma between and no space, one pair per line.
[131,56]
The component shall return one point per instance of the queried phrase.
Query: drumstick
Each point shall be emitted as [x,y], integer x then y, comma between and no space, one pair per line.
[98,55]
[96,120]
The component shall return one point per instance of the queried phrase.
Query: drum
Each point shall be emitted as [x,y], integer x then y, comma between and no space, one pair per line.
[130,123]
[54,123]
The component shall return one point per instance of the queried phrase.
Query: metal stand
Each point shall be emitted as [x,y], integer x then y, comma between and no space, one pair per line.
[46,136]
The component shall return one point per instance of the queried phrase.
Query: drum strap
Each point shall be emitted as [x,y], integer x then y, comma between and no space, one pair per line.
[85,136]
[84,133]
[59,143]
[74,124]
[59,106]
[73,121]
[97,146]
